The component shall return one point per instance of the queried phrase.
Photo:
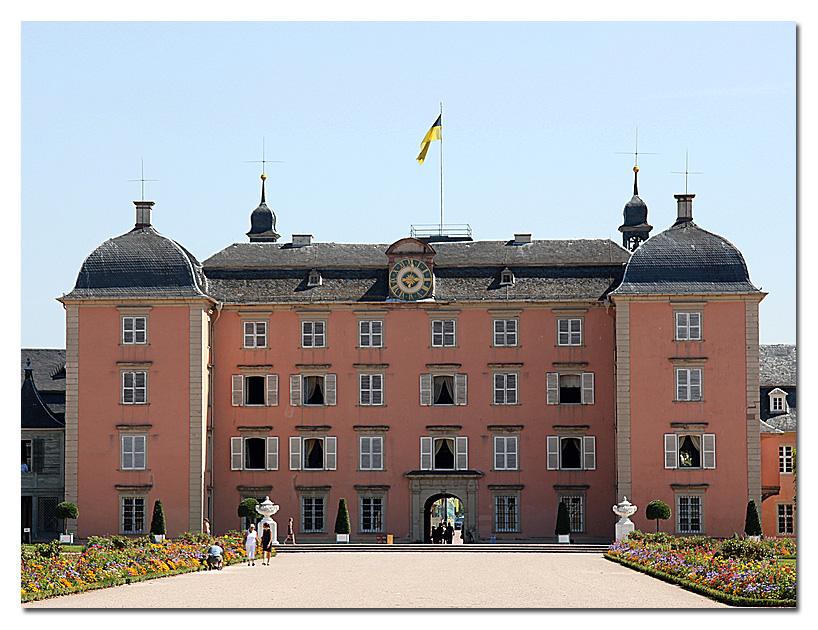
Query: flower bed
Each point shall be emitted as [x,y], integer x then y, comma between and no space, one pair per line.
[733,571]
[115,560]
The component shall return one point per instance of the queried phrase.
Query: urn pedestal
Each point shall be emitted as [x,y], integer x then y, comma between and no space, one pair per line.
[267,508]
[624,526]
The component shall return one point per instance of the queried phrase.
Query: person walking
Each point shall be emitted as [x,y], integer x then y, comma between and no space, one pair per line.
[266,544]
[207,527]
[448,536]
[290,532]
[439,533]
[250,545]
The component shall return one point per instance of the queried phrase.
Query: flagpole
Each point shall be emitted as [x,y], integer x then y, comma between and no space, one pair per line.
[441,168]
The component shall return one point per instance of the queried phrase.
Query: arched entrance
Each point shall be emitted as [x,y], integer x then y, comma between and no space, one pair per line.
[427,487]
[441,508]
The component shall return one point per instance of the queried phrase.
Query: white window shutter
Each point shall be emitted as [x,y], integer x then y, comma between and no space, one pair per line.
[127,452]
[377,453]
[671,450]
[709,444]
[461,448]
[511,453]
[426,389]
[272,453]
[552,388]
[681,325]
[460,389]
[377,389]
[589,452]
[695,384]
[511,389]
[682,392]
[499,453]
[364,389]
[330,453]
[330,389]
[238,390]
[139,452]
[552,443]
[365,453]
[272,390]
[295,390]
[295,453]
[425,453]
[236,455]
[587,388]
[695,323]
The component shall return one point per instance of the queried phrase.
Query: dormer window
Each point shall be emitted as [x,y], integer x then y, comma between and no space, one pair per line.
[778,401]
[314,279]
[506,277]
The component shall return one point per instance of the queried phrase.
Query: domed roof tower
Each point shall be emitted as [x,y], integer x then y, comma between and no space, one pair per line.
[635,228]
[140,263]
[263,221]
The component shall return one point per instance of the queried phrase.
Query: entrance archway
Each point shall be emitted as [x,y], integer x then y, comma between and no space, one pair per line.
[441,508]
[426,487]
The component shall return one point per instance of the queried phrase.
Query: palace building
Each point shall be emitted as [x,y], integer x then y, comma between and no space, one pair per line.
[509,374]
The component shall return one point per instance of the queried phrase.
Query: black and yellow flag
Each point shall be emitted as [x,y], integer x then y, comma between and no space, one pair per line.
[433,134]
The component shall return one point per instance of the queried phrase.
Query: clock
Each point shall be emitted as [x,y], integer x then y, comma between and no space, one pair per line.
[410,279]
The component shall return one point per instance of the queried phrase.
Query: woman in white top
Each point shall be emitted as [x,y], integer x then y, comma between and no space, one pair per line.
[250,545]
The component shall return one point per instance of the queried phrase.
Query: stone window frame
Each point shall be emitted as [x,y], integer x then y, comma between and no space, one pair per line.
[505,370]
[329,446]
[673,443]
[371,371]
[313,318]
[371,431]
[239,389]
[697,492]
[788,520]
[444,432]
[133,494]
[313,492]
[238,448]
[254,334]
[298,391]
[133,431]
[785,459]
[554,447]
[505,432]
[684,310]
[460,385]
[141,367]
[693,370]
[505,316]
[553,387]
[372,492]
[575,492]
[499,491]
[370,318]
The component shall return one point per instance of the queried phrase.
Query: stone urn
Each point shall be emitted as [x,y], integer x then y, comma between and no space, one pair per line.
[624,509]
[267,508]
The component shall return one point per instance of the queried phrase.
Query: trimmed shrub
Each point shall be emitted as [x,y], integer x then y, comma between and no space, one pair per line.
[247,509]
[51,549]
[158,520]
[342,519]
[752,524]
[563,527]
[656,511]
[745,550]
[66,510]
[200,538]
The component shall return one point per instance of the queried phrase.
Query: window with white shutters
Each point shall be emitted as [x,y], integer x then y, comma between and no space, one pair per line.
[370,452]
[688,326]
[313,334]
[313,389]
[254,452]
[134,330]
[443,333]
[370,333]
[688,384]
[570,388]
[254,389]
[133,455]
[443,389]
[444,453]
[134,388]
[370,389]
[313,453]
[255,334]
[505,388]
[690,450]
[570,452]
[505,452]
[569,332]
[505,332]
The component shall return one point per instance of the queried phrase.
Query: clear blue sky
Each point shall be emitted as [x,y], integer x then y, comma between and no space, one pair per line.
[534,114]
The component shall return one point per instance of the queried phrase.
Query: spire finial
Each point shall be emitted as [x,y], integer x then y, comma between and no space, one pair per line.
[686,172]
[263,178]
[635,183]
[142,179]
[635,153]
[263,161]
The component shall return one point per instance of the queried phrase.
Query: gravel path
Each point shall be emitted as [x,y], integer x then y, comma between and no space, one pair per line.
[401,580]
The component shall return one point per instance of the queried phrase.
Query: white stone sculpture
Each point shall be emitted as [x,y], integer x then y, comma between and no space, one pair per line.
[624,509]
[267,508]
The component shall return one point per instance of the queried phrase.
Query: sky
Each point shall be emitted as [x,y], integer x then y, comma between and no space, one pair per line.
[540,125]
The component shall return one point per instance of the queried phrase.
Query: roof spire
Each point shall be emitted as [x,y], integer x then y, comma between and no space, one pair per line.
[263,178]
[635,184]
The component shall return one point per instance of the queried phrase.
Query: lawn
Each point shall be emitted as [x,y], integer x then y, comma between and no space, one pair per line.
[735,571]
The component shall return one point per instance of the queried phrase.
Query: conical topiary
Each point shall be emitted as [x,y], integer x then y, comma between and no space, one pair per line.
[158,520]
[752,525]
[342,520]
[563,527]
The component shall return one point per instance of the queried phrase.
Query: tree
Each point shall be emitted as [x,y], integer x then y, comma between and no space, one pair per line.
[657,510]
[247,509]
[752,525]
[563,527]
[66,510]
[342,520]
[158,520]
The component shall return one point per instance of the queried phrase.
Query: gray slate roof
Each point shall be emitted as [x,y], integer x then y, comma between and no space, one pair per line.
[685,259]
[778,365]
[47,363]
[784,421]
[34,413]
[464,271]
[140,263]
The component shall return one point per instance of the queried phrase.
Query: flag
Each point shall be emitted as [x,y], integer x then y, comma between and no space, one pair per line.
[432,134]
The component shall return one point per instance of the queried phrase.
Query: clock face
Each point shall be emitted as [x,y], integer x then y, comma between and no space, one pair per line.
[410,279]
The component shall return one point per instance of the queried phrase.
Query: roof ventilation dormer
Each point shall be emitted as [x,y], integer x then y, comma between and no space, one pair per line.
[302,240]
[314,279]
[506,277]
[143,213]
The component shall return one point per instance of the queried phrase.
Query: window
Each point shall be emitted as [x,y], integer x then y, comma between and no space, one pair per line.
[312,389]
[443,333]
[254,452]
[688,384]
[505,452]
[690,511]
[505,332]
[313,334]
[46,514]
[570,388]
[576,511]
[134,330]
[690,450]
[571,452]
[778,401]
[255,334]
[370,389]
[505,388]
[312,513]
[314,278]
[785,459]
[133,515]
[255,389]
[313,453]
[505,513]
[370,333]
[133,455]
[134,388]
[569,332]
[443,389]
[371,514]
[786,519]
[370,452]
[32,454]
[506,277]
[688,326]
[444,453]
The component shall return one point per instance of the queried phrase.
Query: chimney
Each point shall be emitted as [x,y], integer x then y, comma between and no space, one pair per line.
[300,240]
[521,239]
[684,207]
[143,213]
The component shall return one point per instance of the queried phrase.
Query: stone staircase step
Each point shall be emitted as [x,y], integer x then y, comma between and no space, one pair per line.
[431,548]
